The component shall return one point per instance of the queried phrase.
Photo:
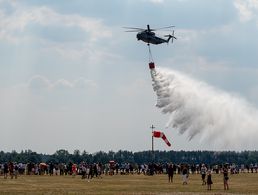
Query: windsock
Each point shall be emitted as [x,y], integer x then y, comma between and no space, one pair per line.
[160,134]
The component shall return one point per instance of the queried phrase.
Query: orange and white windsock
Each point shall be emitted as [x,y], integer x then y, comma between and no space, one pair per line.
[160,134]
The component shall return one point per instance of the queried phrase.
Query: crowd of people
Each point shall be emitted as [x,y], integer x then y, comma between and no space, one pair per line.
[90,170]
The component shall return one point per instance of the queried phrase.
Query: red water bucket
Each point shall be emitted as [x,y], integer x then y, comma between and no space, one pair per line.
[151,65]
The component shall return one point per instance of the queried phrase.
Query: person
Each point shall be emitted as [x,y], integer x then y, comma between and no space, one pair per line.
[15,173]
[95,170]
[83,169]
[184,175]
[88,172]
[203,173]
[209,180]
[51,169]
[74,169]
[5,170]
[170,173]
[10,167]
[99,169]
[255,167]
[225,178]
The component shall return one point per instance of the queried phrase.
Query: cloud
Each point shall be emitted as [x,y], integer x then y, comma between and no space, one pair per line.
[91,53]
[84,83]
[38,82]
[157,1]
[13,25]
[62,84]
[154,1]
[248,9]
[71,37]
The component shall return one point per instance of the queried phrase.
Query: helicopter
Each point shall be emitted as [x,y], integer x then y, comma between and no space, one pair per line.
[148,36]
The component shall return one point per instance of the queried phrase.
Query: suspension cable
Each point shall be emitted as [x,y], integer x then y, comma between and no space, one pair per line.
[150,54]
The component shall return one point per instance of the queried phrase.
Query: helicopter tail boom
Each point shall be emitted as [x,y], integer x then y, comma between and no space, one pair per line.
[172,37]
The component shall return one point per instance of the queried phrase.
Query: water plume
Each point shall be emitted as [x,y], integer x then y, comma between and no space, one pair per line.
[222,120]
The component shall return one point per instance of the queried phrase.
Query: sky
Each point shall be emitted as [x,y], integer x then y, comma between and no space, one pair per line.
[71,78]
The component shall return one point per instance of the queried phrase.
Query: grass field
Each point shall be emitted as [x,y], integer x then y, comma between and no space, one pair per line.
[127,184]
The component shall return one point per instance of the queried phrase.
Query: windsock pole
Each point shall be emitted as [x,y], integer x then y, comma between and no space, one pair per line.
[152,141]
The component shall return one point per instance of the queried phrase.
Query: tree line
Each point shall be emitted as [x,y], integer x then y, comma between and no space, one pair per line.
[121,156]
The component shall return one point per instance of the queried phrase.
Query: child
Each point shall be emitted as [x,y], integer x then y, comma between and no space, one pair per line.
[209,181]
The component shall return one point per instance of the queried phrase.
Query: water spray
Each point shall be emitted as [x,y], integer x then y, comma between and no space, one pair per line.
[197,109]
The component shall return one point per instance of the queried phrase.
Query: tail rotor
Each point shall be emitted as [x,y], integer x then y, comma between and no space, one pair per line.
[172,37]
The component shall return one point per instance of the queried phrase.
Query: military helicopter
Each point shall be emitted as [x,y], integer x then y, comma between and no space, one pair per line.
[148,36]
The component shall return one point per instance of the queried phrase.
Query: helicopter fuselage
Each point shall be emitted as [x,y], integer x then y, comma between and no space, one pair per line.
[150,37]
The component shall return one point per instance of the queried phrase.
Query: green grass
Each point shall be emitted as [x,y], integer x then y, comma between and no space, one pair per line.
[127,184]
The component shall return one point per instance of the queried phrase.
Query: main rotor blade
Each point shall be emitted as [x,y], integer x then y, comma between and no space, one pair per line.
[163,28]
[134,28]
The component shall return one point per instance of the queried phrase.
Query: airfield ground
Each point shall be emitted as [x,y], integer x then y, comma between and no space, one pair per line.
[127,185]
